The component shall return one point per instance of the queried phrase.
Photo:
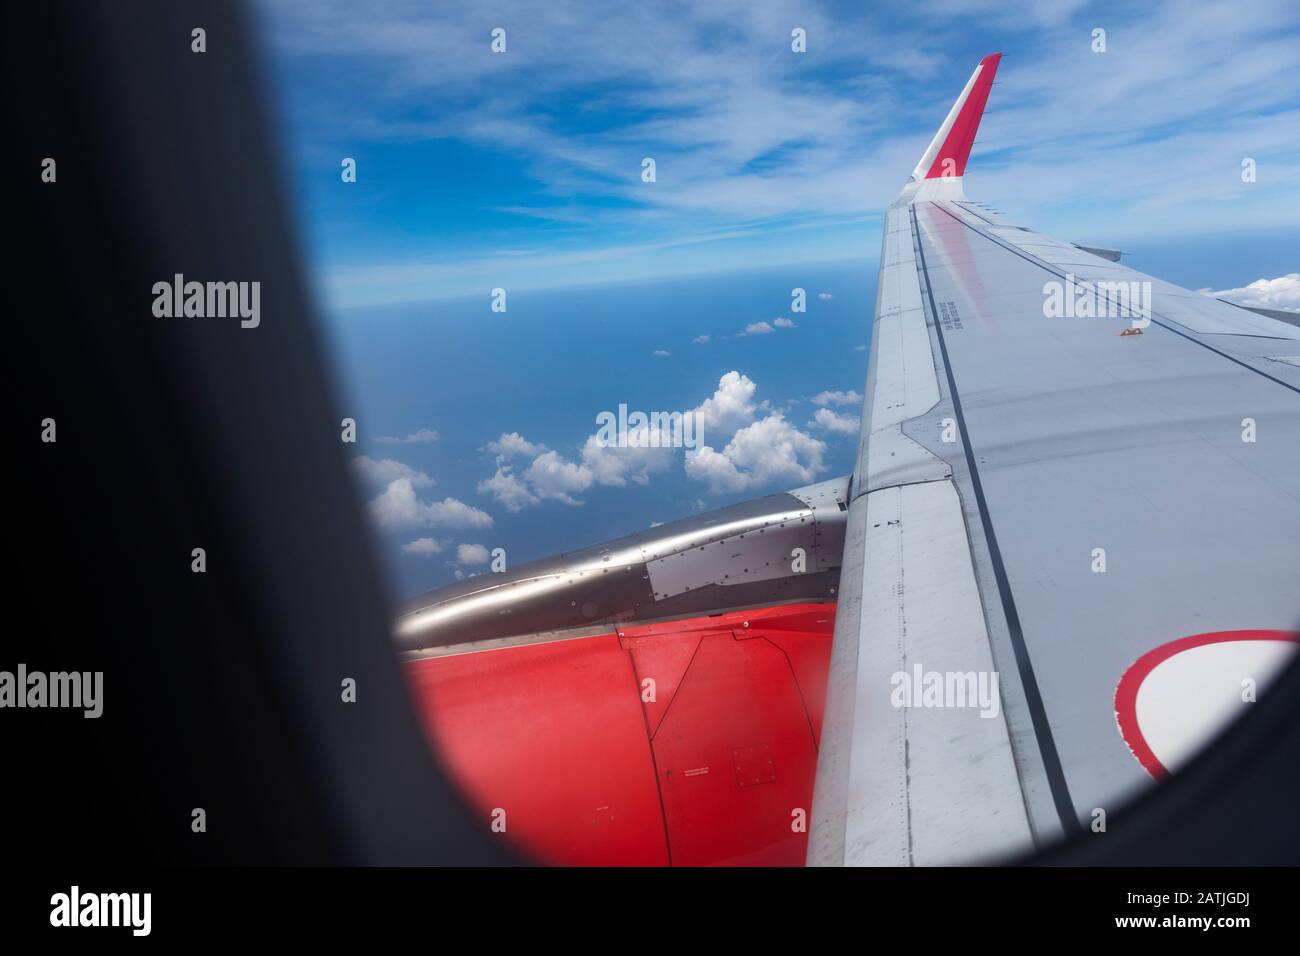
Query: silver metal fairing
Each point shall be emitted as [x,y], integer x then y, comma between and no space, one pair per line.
[777,548]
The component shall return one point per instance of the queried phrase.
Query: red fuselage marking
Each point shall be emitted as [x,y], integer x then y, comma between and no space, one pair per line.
[1126,693]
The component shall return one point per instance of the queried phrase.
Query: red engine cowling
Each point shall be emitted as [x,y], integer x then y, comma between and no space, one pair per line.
[685,742]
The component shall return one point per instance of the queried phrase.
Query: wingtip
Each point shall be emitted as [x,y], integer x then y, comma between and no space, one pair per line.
[945,159]
[969,109]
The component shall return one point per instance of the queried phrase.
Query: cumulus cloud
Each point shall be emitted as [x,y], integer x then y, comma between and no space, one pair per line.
[471,554]
[422,437]
[767,451]
[552,476]
[400,507]
[508,489]
[648,451]
[1280,293]
[662,353]
[758,328]
[784,323]
[731,404]
[423,547]
[701,339]
[384,470]
[512,444]
[835,422]
[758,447]
[847,397]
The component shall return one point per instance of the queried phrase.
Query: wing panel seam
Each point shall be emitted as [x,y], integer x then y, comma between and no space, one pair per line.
[1029,682]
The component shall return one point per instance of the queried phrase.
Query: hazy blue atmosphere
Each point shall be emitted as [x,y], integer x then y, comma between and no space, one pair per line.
[522,171]
[558,357]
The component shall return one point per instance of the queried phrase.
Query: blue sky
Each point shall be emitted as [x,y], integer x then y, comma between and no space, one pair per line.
[522,170]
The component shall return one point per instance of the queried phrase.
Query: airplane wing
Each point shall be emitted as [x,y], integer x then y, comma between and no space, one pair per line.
[1072,533]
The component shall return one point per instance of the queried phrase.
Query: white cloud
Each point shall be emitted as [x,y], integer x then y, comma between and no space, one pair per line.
[824,296]
[662,353]
[847,397]
[400,507]
[701,339]
[784,323]
[1280,293]
[757,451]
[835,422]
[648,451]
[422,437]
[382,471]
[511,444]
[471,554]
[508,489]
[551,476]
[859,348]
[715,468]
[731,405]
[758,328]
[423,547]
[453,513]
[768,451]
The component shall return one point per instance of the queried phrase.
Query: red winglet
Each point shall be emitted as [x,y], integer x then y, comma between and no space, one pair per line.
[956,147]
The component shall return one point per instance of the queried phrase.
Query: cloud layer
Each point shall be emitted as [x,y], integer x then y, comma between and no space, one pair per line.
[751,139]
[744,444]
[1280,293]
